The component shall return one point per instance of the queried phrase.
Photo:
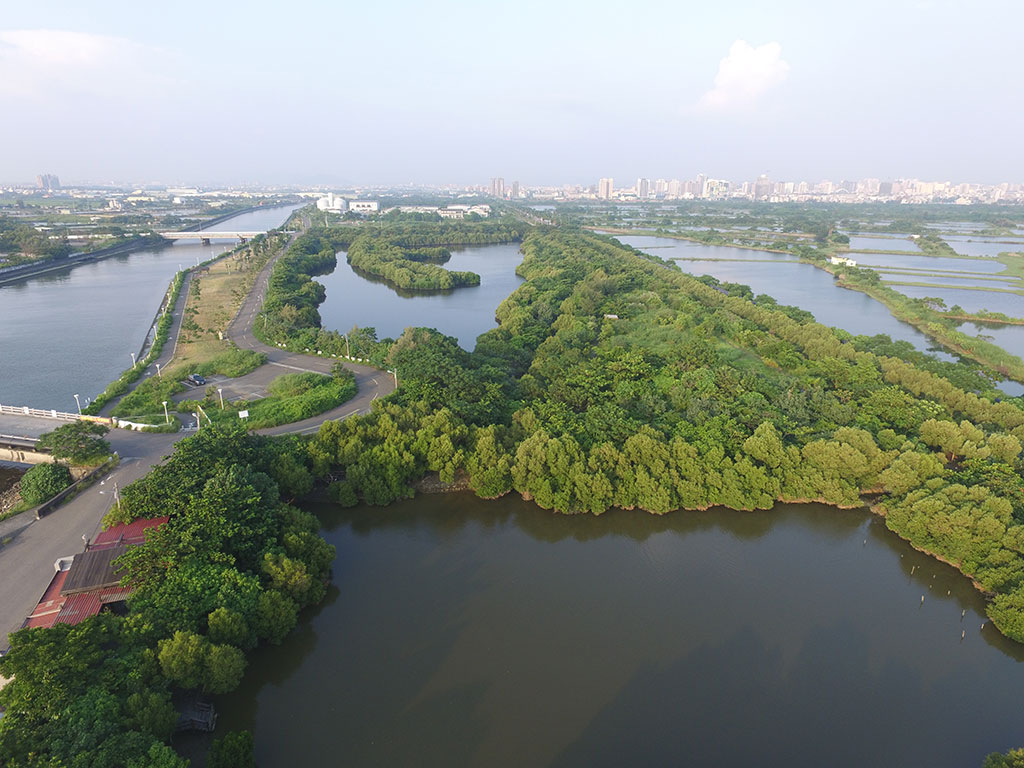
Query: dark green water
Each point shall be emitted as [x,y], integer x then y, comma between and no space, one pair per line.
[464,632]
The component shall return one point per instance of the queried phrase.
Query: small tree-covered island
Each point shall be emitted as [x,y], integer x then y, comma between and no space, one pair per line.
[612,379]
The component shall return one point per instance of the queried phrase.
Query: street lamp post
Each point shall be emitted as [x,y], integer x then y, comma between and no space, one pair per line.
[79,404]
[133,358]
[348,352]
[158,374]
[221,393]
[167,418]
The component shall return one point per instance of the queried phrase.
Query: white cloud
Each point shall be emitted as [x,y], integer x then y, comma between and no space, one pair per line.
[744,75]
[46,65]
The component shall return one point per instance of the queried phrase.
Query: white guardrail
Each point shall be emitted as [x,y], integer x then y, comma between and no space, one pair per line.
[42,413]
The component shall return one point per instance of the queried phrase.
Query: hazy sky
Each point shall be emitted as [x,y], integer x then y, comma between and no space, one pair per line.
[541,91]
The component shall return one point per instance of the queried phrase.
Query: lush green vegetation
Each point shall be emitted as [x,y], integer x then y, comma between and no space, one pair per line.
[409,269]
[615,381]
[290,317]
[80,442]
[1012,759]
[44,481]
[929,316]
[407,251]
[292,397]
[19,238]
[233,362]
[230,569]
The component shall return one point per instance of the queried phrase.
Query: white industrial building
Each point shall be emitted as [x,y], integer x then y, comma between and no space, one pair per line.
[364,206]
[332,203]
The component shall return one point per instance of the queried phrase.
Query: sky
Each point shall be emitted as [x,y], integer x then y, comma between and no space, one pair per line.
[541,91]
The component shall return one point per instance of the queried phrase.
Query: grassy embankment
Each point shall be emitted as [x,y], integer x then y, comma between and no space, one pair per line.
[200,348]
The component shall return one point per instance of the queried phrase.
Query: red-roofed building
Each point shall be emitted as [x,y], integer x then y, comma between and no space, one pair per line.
[83,584]
[126,533]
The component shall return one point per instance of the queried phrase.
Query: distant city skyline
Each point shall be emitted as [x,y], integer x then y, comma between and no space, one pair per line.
[551,92]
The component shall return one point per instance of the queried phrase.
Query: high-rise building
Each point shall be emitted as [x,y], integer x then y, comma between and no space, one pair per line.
[661,187]
[497,186]
[675,188]
[762,187]
[716,189]
[698,190]
[47,181]
[515,190]
[643,188]
[605,189]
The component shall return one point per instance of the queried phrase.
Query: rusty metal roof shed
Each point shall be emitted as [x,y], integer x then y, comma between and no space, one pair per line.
[93,570]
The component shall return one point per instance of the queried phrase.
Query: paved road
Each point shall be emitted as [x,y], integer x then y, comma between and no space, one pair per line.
[26,562]
[372,382]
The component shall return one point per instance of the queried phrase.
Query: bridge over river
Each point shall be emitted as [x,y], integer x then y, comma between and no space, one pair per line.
[205,236]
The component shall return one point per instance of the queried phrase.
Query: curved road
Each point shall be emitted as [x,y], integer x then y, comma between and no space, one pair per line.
[26,560]
[372,383]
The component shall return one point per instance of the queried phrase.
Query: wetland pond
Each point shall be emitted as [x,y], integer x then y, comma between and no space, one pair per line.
[463,632]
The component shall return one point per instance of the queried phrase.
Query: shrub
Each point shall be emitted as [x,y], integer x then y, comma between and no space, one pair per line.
[80,442]
[44,481]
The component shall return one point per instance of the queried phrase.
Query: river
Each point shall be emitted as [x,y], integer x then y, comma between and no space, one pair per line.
[73,332]
[460,632]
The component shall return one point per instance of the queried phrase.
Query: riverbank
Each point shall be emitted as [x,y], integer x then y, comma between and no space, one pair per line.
[10,275]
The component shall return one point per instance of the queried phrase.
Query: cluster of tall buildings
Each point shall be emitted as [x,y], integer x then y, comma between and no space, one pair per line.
[768,190]
[47,181]
[498,188]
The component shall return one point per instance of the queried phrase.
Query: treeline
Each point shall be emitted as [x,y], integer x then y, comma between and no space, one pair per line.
[19,237]
[230,569]
[453,232]
[612,381]
[290,317]
[409,269]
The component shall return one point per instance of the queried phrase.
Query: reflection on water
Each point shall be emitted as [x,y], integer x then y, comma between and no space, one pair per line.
[465,632]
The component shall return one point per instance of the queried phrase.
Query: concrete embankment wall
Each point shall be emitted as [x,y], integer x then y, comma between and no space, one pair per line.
[24,455]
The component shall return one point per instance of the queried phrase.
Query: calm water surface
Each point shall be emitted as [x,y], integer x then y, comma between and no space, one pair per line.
[883,243]
[73,331]
[973,301]
[980,247]
[464,313]
[801,285]
[920,261]
[460,632]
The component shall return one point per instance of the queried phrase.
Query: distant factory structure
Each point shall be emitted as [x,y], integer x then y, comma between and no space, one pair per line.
[333,203]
